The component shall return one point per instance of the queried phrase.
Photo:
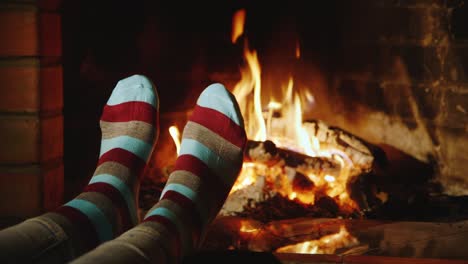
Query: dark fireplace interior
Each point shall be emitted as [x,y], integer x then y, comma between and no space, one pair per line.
[392,73]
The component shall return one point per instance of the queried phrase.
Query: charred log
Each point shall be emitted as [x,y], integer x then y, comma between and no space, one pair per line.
[279,207]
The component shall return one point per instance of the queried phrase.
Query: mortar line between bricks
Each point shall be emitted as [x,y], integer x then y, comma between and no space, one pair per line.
[40,114]
[46,165]
[33,60]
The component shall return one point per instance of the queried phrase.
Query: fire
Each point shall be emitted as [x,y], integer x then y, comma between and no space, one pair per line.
[175,134]
[246,178]
[251,81]
[325,245]
[238,22]
[282,123]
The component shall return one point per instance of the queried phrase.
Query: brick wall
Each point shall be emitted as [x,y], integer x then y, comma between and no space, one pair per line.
[31,120]
[401,81]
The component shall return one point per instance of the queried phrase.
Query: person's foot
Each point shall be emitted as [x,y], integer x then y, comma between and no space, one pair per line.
[108,204]
[209,162]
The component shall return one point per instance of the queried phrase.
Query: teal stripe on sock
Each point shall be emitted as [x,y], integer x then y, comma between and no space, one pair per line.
[97,217]
[166,213]
[221,168]
[215,97]
[189,193]
[134,88]
[184,190]
[123,189]
[131,144]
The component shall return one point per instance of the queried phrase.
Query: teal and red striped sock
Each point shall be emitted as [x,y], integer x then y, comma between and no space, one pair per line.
[108,204]
[209,162]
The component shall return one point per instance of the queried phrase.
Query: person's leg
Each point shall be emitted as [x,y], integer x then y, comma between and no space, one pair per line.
[208,164]
[108,204]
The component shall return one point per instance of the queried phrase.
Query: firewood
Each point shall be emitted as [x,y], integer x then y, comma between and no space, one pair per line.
[280,164]
[363,154]
[269,154]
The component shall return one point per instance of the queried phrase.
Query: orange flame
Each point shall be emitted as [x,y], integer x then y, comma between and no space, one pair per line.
[298,49]
[286,131]
[175,134]
[238,22]
[251,81]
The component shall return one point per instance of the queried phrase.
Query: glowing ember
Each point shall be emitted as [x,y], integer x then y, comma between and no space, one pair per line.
[175,134]
[325,245]
[298,50]
[248,227]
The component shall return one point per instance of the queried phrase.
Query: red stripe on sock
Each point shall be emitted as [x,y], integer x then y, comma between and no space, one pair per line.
[220,124]
[192,215]
[81,223]
[117,199]
[173,232]
[130,111]
[194,165]
[126,158]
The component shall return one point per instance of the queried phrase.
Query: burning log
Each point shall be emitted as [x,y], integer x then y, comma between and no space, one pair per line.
[276,181]
[363,154]
[269,154]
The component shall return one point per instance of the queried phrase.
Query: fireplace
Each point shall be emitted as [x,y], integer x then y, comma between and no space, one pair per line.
[381,82]
[373,82]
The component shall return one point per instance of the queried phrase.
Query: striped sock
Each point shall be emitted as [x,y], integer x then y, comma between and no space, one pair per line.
[108,205]
[209,162]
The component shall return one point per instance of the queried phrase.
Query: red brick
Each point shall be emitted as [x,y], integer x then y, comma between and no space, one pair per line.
[29,139]
[51,142]
[29,87]
[20,192]
[51,88]
[27,191]
[50,35]
[52,187]
[26,32]
[20,139]
[20,81]
[18,31]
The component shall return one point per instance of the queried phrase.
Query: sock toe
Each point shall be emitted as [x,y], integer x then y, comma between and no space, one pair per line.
[136,88]
[218,98]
